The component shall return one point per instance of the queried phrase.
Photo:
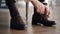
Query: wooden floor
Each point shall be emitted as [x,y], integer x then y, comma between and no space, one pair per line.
[4,20]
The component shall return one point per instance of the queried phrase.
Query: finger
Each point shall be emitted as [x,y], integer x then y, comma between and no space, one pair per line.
[42,9]
[39,9]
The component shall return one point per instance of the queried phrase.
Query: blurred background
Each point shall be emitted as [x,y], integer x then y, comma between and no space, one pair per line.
[21,5]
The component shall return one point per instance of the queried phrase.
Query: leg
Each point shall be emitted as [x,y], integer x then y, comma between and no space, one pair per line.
[0,3]
[16,21]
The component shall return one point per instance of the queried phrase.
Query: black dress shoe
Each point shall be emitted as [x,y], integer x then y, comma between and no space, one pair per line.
[17,24]
[42,19]
[49,23]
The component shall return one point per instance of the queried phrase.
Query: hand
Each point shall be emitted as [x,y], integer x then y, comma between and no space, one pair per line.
[39,6]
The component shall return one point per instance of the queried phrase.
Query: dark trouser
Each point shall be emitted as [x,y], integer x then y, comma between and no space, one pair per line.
[13,10]
[0,3]
[15,16]
[16,20]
